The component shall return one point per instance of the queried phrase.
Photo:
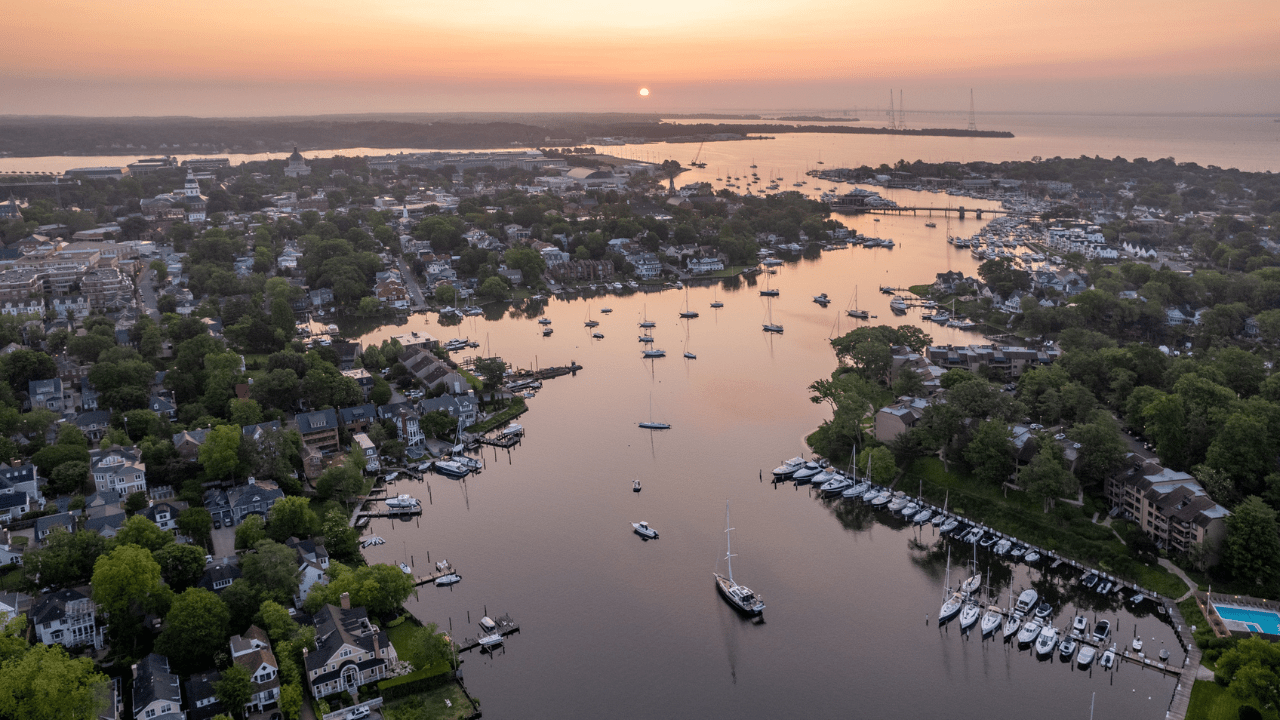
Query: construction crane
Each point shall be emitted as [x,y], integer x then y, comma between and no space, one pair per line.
[695,162]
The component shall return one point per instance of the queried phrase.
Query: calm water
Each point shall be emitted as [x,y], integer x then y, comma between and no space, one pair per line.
[615,626]
[1247,143]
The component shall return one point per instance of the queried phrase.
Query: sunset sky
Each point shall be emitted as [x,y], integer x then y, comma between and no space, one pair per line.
[273,57]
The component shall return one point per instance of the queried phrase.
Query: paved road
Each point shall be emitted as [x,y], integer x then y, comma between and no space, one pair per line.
[149,299]
[411,283]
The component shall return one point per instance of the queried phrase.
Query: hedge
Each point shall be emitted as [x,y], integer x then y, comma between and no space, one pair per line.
[428,678]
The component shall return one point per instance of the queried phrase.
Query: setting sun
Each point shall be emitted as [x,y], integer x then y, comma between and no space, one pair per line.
[644,92]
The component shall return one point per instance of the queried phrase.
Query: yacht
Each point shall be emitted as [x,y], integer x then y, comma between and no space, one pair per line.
[835,485]
[948,526]
[1043,610]
[1079,625]
[899,501]
[606,311]
[739,596]
[991,620]
[546,331]
[1026,601]
[643,530]
[1089,580]
[450,579]
[488,625]
[825,477]
[810,470]
[969,615]
[922,516]
[1029,632]
[857,491]
[690,356]
[822,299]
[898,305]
[1086,655]
[1067,647]
[872,493]
[489,641]
[882,499]
[452,468]
[788,468]
[654,353]
[910,510]
[404,568]
[402,501]
[1047,641]
[1102,631]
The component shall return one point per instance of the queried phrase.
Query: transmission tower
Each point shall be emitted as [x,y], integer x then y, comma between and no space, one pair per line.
[973,120]
[893,116]
[902,112]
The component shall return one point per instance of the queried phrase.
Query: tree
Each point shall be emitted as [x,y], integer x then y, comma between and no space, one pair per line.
[1243,449]
[291,517]
[52,456]
[46,684]
[341,541]
[380,588]
[880,465]
[1102,450]
[140,531]
[135,503]
[341,481]
[1252,671]
[197,524]
[1046,477]
[250,532]
[220,452]
[69,477]
[494,288]
[160,269]
[244,412]
[66,559]
[291,700]
[273,569]
[445,294]
[380,394]
[127,582]
[1253,544]
[276,621]
[990,452]
[196,627]
[234,689]
[426,646]
[492,371]
[181,566]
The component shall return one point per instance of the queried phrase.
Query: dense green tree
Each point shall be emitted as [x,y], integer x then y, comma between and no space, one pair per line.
[66,559]
[69,477]
[273,569]
[1253,544]
[197,524]
[990,452]
[195,629]
[1251,669]
[181,566]
[291,700]
[1046,477]
[380,588]
[234,689]
[127,584]
[45,684]
[1244,450]
[425,646]
[1102,449]
[140,531]
[341,541]
[291,517]
[250,532]
[220,453]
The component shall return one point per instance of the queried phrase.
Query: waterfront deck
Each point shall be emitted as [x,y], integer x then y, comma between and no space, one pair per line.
[430,578]
[506,626]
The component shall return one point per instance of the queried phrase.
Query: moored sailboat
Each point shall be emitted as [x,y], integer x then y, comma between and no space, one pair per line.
[740,597]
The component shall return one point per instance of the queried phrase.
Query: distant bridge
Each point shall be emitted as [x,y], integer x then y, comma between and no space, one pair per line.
[961,211]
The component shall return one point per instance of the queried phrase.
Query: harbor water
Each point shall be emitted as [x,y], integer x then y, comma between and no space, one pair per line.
[612,625]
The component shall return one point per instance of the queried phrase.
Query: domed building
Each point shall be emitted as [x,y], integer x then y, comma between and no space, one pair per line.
[297,166]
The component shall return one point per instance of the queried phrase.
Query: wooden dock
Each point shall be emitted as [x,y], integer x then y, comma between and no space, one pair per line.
[502,441]
[506,626]
[430,578]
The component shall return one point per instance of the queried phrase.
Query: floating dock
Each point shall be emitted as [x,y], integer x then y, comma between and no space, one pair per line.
[506,626]
[430,578]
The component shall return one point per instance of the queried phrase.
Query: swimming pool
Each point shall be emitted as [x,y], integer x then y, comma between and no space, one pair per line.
[1255,620]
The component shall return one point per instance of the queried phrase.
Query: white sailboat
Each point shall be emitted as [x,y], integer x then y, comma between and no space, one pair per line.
[854,312]
[771,326]
[739,596]
[651,425]
[646,322]
[688,313]
[715,296]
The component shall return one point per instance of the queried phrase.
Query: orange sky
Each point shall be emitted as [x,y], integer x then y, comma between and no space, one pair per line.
[277,57]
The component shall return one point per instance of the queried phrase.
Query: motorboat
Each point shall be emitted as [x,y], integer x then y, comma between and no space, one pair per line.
[769,293]
[872,493]
[643,530]
[991,620]
[1108,657]
[740,597]
[899,502]
[404,568]
[910,510]
[1104,587]
[974,536]
[770,327]
[489,641]
[989,540]
[402,501]
[1003,546]
[882,499]
[452,468]
[1101,631]
[466,461]
[1017,551]
[969,615]
[1031,557]
[635,486]
[788,468]
[1047,641]
[1067,647]
[655,426]
[951,607]
[546,331]
[717,304]
[487,624]
[1079,625]
[1136,644]
[1086,655]
[858,490]
[1043,610]
[450,579]
[948,526]
[837,484]
[922,516]
[1136,599]
[898,305]
[690,356]
[1029,632]
[810,471]
[597,335]
[822,299]
[654,353]
[606,311]
[1026,601]
[544,321]
[1089,580]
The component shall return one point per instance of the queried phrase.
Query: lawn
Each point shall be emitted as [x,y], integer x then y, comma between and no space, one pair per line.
[1067,530]
[516,408]
[1211,701]
[444,703]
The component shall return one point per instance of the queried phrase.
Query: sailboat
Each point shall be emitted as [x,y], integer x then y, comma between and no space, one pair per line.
[646,322]
[651,425]
[771,326]
[768,291]
[951,606]
[590,322]
[739,596]
[855,312]
[715,297]
[687,313]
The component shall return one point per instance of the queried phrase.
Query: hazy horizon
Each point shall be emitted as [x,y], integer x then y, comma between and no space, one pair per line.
[268,59]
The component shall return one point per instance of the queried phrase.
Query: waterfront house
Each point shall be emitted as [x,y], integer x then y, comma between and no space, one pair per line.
[463,407]
[893,420]
[405,419]
[350,651]
[368,453]
[319,430]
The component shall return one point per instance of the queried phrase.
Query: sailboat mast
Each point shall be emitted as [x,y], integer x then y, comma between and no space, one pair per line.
[728,543]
